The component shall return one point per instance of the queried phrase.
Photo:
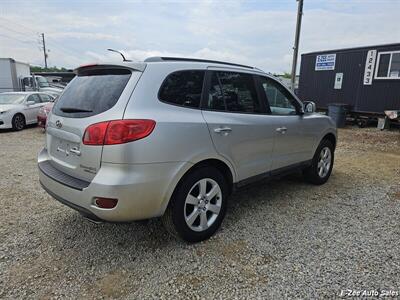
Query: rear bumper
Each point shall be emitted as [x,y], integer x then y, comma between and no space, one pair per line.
[142,190]
[82,210]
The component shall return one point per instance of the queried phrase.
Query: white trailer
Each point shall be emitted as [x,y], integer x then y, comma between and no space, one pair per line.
[12,74]
[16,76]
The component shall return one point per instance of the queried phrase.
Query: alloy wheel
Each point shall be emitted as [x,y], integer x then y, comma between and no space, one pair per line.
[324,162]
[19,122]
[203,204]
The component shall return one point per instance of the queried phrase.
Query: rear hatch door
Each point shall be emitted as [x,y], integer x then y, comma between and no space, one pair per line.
[98,93]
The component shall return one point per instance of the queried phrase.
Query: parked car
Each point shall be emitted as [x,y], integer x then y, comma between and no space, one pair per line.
[44,112]
[18,109]
[174,138]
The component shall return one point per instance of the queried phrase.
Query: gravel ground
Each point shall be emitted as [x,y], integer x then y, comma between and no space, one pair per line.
[280,239]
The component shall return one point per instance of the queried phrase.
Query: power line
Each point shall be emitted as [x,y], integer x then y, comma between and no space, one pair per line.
[14,38]
[61,48]
[70,51]
[15,31]
[19,24]
[65,51]
[79,52]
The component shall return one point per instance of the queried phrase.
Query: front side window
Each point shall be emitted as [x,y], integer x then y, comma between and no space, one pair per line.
[183,88]
[388,65]
[27,81]
[280,101]
[233,92]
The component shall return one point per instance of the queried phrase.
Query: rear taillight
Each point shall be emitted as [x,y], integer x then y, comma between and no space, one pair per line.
[95,134]
[117,132]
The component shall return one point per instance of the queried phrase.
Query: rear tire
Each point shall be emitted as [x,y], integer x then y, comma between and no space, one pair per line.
[322,163]
[18,122]
[197,206]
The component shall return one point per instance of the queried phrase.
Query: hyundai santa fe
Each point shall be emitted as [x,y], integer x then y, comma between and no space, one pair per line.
[174,137]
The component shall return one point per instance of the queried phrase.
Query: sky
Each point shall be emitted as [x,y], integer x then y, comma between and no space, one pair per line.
[258,33]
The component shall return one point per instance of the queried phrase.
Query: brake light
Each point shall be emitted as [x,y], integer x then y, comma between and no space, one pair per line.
[94,134]
[117,132]
[87,65]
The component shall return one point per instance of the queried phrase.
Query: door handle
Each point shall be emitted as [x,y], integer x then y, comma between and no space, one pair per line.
[76,151]
[281,130]
[225,130]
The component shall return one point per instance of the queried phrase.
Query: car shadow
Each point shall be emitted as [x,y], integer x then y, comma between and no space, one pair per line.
[12,130]
[71,232]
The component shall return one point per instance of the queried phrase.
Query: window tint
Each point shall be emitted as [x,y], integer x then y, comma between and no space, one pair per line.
[35,98]
[45,98]
[234,92]
[215,98]
[183,88]
[93,91]
[383,65]
[280,101]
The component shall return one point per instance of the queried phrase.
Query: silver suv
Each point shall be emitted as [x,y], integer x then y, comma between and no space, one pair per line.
[174,137]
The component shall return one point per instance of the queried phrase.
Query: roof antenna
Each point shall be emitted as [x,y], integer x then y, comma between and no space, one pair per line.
[123,57]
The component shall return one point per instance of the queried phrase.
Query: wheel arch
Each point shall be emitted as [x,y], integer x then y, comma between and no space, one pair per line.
[219,165]
[18,112]
[224,167]
[330,137]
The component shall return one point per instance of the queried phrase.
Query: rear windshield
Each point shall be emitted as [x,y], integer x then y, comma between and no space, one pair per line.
[92,92]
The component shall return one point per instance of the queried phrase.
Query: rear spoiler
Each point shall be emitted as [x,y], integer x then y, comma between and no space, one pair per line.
[97,66]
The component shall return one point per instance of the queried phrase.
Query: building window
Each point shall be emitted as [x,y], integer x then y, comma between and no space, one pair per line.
[388,65]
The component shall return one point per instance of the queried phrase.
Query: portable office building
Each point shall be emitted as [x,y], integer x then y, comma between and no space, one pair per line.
[367,79]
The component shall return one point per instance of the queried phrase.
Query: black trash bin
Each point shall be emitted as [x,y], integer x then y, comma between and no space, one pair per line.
[338,111]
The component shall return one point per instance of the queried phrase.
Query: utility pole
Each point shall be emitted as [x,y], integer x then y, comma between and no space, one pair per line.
[296,41]
[44,51]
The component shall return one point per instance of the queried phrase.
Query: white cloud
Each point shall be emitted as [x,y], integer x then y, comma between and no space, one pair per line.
[258,33]
[86,35]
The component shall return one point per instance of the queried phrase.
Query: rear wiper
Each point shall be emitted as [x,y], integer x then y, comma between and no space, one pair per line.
[74,110]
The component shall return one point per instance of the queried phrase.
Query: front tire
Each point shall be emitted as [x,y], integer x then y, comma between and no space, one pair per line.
[322,163]
[18,122]
[197,206]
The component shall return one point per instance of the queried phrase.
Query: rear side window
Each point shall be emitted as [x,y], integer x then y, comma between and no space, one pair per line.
[46,98]
[92,92]
[35,98]
[233,92]
[182,88]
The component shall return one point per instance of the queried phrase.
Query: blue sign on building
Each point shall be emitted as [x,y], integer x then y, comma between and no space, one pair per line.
[325,62]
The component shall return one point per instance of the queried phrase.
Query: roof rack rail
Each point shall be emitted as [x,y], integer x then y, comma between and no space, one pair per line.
[159,59]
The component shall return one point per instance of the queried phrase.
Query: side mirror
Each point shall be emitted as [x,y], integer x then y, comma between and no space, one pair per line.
[309,107]
[29,103]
